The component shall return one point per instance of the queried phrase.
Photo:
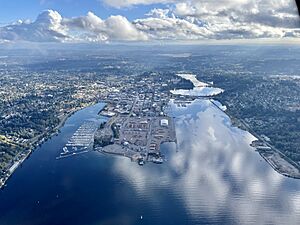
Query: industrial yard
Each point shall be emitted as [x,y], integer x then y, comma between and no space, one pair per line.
[140,138]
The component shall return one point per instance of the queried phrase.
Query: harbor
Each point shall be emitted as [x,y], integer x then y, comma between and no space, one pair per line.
[81,141]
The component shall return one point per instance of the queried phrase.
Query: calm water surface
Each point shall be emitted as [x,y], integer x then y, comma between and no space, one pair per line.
[212,177]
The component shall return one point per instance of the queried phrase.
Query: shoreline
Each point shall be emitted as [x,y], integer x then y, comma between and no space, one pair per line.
[274,163]
[200,88]
[274,157]
[35,144]
[277,168]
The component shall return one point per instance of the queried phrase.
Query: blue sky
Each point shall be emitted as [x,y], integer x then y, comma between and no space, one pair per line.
[13,10]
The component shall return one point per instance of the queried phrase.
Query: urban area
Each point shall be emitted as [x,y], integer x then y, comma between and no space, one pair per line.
[38,93]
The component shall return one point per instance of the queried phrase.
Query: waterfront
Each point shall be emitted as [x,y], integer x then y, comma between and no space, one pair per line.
[36,141]
[276,159]
[215,177]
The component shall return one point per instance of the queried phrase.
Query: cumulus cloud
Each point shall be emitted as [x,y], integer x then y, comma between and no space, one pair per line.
[50,26]
[91,27]
[276,13]
[172,29]
[176,20]
[47,27]
[224,19]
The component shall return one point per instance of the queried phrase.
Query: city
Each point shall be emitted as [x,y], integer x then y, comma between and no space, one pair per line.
[35,103]
[153,112]
[76,119]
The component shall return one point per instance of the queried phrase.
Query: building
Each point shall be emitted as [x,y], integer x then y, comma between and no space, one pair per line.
[164,122]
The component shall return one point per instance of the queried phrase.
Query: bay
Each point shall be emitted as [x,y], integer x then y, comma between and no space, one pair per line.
[212,176]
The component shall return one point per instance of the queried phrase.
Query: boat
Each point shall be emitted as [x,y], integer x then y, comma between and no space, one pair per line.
[65,149]
[141,162]
[158,160]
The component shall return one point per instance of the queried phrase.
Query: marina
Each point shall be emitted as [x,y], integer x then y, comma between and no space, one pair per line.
[81,141]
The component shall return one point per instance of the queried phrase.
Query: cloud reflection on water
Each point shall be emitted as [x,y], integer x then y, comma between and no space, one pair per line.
[215,172]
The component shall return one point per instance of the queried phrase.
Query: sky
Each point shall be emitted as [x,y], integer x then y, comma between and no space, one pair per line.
[147,20]
[13,10]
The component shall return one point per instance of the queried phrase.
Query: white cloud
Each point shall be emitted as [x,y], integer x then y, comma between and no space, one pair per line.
[47,27]
[171,29]
[177,20]
[50,26]
[276,13]
[91,27]
[223,19]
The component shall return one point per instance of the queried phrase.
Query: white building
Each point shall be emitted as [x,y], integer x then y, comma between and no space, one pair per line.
[164,122]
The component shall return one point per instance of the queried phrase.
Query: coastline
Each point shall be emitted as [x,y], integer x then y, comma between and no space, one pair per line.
[200,89]
[38,140]
[275,158]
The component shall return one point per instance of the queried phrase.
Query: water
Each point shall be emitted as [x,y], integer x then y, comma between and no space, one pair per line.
[213,177]
[200,89]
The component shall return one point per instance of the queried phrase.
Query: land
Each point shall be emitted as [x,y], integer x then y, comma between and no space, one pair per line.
[269,109]
[36,97]
[40,90]
[136,135]
[139,138]
[262,95]
[137,123]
